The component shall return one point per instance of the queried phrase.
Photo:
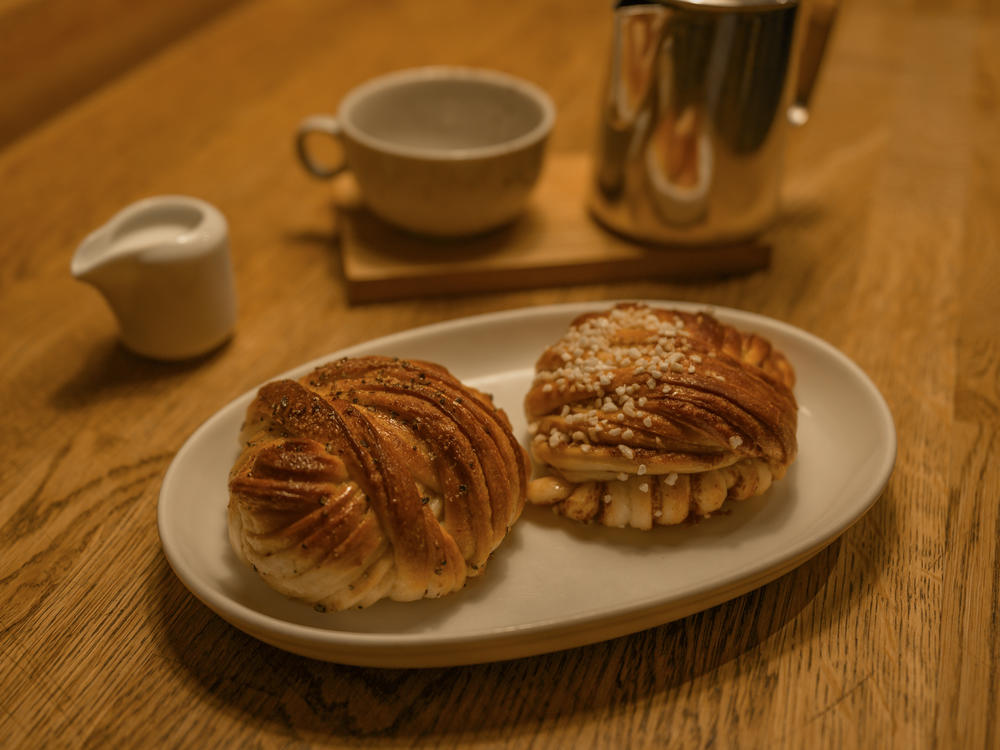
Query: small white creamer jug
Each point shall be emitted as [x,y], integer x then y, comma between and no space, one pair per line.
[164,266]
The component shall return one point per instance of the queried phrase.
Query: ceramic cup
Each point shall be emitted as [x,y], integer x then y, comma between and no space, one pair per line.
[441,151]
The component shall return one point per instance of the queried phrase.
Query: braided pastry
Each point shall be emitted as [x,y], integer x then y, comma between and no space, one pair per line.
[371,478]
[643,416]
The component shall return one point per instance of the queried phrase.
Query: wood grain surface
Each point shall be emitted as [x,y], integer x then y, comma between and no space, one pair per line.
[888,247]
[55,52]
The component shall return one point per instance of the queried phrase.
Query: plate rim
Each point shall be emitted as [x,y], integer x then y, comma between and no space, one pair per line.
[513,641]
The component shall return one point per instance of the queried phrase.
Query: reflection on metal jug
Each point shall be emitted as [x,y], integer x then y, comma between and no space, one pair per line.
[699,98]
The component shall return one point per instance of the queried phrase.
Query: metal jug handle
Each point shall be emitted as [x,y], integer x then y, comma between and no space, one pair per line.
[822,14]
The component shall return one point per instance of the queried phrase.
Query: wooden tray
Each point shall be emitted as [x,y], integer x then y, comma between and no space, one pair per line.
[555,243]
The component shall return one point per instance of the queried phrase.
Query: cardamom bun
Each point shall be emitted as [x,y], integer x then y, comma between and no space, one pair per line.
[643,416]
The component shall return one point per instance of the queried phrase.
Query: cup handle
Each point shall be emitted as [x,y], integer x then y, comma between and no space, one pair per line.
[819,25]
[326,125]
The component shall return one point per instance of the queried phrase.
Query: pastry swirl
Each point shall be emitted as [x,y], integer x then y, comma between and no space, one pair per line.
[373,478]
[643,416]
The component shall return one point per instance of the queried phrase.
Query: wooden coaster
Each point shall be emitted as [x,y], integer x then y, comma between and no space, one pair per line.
[555,243]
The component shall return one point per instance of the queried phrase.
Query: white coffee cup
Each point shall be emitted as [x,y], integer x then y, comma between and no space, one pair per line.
[443,151]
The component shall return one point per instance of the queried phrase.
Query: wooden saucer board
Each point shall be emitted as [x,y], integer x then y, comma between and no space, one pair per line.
[555,243]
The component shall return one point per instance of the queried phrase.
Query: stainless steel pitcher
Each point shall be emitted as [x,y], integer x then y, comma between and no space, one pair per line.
[699,98]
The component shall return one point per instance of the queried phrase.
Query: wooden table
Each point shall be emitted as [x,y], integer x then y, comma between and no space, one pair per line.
[889,249]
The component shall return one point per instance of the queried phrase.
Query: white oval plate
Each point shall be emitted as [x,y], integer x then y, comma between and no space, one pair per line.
[553,583]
